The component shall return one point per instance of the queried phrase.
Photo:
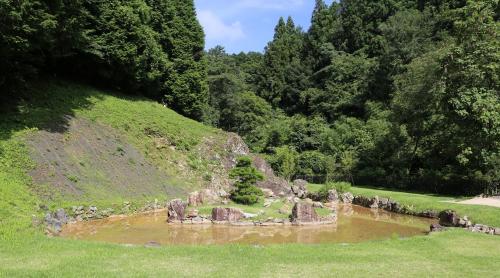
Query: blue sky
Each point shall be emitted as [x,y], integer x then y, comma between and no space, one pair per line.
[247,25]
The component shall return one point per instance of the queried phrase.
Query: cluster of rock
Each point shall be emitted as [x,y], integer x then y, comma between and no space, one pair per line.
[380,203]
[449,218]
[303,213]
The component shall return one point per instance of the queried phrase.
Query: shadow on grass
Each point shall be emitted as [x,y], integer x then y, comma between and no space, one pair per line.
[49,105]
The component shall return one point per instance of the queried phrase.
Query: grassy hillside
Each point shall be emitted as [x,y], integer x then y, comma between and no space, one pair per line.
[61,116]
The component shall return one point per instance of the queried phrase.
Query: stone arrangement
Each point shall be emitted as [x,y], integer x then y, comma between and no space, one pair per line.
[298,202]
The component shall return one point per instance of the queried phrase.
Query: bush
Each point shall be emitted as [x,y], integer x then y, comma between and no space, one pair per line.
[246,177]
[341,187]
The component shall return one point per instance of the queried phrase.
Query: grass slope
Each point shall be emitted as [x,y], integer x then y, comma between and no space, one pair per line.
[143,123]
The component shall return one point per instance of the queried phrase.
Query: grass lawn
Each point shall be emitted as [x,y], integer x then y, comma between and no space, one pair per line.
[449,254]
[419,202]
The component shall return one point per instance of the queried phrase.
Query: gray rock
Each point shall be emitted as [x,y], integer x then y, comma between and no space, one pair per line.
[437,228]
[318,205]
[299,188]
[497,231]
[268,193]
[346,198]
[383,203]
[395,206]
[61,215]
[374,202]
[449,218]
[333,196]
[249,215]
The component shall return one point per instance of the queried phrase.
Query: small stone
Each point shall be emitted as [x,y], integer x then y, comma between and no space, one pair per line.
[268,193]
[497,231]
[152,244]
[192,213]
[318,205]
[249,215]
[437,228]
[374,202]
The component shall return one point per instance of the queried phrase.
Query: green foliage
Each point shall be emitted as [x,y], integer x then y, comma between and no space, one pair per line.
[145,47]
[284,161]
[246,177]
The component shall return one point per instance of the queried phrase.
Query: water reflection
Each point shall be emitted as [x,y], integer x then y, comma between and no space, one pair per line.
[355,224]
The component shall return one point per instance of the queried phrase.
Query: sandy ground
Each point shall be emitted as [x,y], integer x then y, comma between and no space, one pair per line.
[493,201]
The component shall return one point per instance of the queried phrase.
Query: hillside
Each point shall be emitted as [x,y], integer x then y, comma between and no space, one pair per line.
[75,145]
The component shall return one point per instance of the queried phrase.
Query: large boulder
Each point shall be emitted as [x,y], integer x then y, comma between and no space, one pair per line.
[227,214]
[449,218]
[304,213]
[176,211]
[299,188]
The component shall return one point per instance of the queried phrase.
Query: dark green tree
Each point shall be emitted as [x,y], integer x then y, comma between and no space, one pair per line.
[246,177]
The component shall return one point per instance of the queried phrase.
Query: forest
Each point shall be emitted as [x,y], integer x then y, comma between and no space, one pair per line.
[394,93]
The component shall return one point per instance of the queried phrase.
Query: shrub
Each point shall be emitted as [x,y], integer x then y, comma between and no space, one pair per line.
[246,177]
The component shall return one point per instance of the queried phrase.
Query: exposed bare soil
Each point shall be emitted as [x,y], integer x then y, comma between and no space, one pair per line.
[85,157]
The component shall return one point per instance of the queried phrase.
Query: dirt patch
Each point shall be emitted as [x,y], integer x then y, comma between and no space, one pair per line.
[87,159]
[492,201]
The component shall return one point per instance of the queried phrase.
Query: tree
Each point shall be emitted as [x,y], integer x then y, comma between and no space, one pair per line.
[283,75]
[246,177]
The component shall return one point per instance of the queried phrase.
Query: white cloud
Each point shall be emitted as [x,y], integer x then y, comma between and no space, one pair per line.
[215,28]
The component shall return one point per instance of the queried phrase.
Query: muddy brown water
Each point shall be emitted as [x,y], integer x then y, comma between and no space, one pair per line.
[355,224]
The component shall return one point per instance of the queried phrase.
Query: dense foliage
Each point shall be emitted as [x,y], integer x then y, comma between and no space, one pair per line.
[150,47]
[396,92]
[246,177]
[402,93]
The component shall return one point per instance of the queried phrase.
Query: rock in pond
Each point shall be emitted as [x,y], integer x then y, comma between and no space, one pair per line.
[176,211]
[449,218]
[304,213]
[346,198]
[333,196]
[227,214]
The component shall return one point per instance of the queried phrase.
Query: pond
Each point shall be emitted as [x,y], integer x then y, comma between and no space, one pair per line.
[355,224]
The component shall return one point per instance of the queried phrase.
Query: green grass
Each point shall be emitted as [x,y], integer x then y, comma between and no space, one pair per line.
[450,254]
[419,202]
